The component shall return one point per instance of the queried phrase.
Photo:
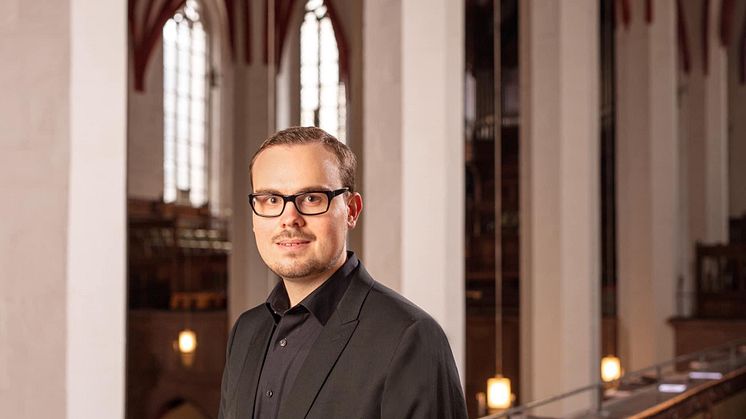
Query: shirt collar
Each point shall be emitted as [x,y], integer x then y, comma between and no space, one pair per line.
[322,301]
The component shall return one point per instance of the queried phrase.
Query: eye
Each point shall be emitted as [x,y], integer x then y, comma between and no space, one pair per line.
[313,200]
[266,199]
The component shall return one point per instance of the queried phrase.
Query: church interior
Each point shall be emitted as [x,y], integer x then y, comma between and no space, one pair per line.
[561,185]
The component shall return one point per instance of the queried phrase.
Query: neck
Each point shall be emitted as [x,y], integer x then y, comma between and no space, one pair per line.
[300,288]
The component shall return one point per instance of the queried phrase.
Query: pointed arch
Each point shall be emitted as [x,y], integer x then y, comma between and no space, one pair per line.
[283,16]
[147,18]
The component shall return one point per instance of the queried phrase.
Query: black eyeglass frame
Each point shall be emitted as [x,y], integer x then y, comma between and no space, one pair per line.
[292,198]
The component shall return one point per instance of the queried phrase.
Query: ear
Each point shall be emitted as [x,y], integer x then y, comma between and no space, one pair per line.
[354,208]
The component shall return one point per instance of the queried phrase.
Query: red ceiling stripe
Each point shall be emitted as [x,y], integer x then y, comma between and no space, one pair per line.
[247,31]
[147,17]
[743,49]
[230,15]
[131,7]
[726,22]
[265,32]
[705,36]
[686,59]
[339,35]
[284,10]
[626,12]
[649,11]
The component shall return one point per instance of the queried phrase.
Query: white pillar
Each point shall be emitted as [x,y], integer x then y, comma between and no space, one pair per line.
[96,236]
[560,279]
[704,104]
[62,242]
[413,151]
[34,120]
[647,184]
[382,137]
[250,281]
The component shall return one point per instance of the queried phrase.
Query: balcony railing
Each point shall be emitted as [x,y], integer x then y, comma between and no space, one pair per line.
[653,390]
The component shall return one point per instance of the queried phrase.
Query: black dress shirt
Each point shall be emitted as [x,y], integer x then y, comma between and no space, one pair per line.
[295,331]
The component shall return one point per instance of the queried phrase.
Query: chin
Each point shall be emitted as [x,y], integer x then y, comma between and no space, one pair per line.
[297,266]
[293,272]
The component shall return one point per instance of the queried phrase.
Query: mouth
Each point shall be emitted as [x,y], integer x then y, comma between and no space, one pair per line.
[292,244]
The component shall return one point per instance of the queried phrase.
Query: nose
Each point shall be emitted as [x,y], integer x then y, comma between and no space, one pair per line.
[290,216]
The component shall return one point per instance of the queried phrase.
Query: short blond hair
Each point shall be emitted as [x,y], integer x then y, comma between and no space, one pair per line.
[313,135]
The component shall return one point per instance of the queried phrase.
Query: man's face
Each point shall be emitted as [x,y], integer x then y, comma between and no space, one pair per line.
[295,246]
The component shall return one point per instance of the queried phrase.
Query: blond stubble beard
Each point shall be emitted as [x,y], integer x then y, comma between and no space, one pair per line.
[297,269]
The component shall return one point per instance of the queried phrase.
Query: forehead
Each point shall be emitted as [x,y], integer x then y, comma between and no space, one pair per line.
[289,168]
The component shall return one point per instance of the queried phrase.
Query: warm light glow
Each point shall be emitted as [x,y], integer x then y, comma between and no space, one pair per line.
[187,341]
[611,368]
[498,392]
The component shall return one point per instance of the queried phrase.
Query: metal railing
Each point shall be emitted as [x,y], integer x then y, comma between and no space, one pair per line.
[731,353]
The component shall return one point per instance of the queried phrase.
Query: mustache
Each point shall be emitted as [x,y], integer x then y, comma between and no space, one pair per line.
[287,235]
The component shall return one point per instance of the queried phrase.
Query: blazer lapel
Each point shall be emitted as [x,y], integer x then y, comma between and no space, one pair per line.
[327,348]
[252,367]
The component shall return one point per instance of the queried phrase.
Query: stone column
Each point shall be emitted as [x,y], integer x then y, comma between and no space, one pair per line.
[704,133]
[647,184]
[413,153]
[62,242]
[96,204]
[250,280]
[560,204]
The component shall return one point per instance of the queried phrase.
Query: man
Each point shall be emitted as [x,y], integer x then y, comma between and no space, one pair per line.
[330,342]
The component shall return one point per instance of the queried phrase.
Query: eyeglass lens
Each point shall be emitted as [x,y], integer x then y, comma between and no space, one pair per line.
[308,203]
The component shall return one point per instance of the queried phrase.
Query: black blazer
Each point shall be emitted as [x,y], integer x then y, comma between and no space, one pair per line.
[379,356]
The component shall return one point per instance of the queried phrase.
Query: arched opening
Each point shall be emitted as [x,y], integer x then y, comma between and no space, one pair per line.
[323,98]
[186,103]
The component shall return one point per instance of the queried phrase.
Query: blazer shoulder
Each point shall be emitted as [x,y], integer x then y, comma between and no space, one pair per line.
[393,308]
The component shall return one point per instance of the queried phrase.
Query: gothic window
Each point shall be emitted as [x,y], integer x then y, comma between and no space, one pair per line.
[323,101]
[185,106]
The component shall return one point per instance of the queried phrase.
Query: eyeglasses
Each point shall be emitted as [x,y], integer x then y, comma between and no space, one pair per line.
[307,203]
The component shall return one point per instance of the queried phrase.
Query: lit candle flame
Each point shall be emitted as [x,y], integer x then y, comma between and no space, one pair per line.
[498,392]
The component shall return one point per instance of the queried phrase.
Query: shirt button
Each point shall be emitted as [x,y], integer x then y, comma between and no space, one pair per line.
[283,342]
[269,393]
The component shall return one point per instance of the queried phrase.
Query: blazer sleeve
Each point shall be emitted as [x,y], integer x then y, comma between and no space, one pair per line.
[226,371]
[422,381]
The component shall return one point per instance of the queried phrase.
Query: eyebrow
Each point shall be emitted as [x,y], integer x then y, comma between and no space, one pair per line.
[316,188]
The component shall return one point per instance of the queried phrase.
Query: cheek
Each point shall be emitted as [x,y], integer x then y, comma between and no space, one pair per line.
[331,232]
[337,228]
[262,231]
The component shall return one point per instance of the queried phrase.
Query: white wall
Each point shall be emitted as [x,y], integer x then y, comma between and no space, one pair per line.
[288,77]
[559,176]
[413,151]
[382,121]
[648,158]
[703,132]
[62,242]
[34,162]
[145,130]
[96,282]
